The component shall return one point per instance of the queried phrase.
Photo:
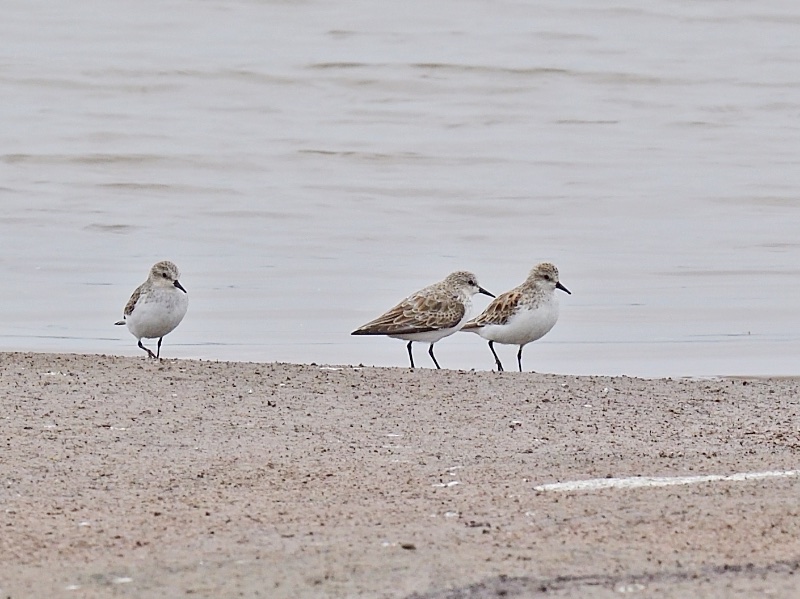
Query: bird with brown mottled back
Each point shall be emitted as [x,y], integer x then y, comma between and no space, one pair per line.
[157,306]
[430,314]
[524,314]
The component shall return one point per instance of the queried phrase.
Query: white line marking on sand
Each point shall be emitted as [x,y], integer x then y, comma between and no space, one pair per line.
[636,482]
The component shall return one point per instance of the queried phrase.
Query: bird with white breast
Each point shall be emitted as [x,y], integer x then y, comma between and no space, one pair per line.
[430,314]
[524,314]
[157,306]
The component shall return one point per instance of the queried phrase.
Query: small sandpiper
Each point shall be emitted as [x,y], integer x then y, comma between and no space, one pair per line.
[524,314]
[429,314]
[157,306]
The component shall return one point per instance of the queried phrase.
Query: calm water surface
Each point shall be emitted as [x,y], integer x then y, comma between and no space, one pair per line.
[308,164]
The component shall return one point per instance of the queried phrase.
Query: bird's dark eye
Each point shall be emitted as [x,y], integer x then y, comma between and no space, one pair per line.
[165,275]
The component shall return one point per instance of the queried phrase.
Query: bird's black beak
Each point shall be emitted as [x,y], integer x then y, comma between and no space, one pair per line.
[179,286]
[484,292]
[562,288]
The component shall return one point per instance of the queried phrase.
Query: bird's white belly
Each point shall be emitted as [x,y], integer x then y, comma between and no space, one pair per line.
[523,327]
[157,314]
[428,336]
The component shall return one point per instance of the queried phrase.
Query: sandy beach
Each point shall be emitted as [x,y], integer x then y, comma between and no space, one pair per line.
[126,477]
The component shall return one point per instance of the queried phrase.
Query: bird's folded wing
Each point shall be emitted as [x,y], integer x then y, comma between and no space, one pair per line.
[417,314]
[498,312]
[132,302]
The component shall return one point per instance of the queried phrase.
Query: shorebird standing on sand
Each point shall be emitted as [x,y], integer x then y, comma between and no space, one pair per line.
[157,306]
[524,314]
[429,314]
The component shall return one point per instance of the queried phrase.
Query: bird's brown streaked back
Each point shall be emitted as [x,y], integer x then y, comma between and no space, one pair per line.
[497,312]
[420,313]
[132,302]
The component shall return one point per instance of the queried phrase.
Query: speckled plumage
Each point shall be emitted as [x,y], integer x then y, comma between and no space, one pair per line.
[430,314]
[524,314]
[157,306]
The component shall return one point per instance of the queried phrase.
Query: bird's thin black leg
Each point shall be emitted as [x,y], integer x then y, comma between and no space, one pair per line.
[519,357]
[149,353]
[496,359]
[410,355]
[430,351]
[158,351]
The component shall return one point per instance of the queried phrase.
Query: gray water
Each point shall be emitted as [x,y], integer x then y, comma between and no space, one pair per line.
[308,164]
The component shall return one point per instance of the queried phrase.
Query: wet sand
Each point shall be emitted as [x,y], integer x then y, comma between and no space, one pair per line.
[130,478]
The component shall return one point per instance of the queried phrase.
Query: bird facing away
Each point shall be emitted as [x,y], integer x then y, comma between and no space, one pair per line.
[430,314]
[524,314]
[157,306]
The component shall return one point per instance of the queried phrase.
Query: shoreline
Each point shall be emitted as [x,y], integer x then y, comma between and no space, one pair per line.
[676,377]
[126,476]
